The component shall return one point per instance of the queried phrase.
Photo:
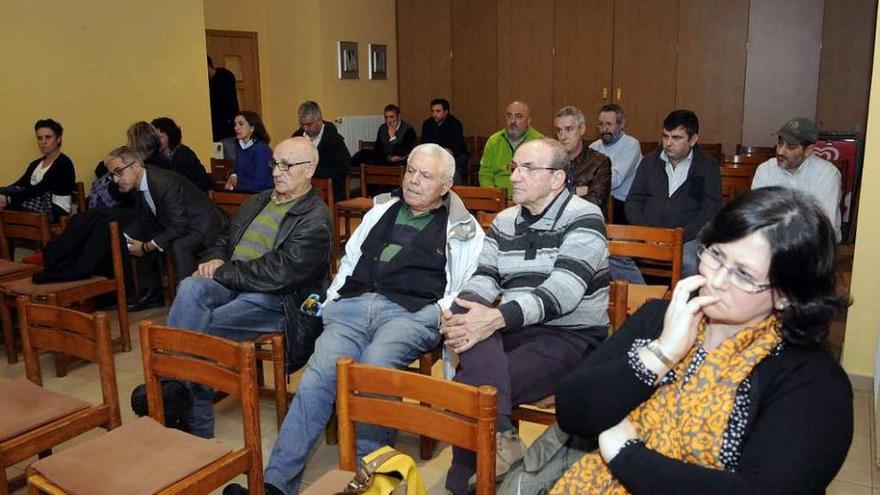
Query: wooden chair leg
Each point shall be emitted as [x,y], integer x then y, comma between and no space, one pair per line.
[8,332]
[280,378]
[122,308]
[61,363]
[426,444]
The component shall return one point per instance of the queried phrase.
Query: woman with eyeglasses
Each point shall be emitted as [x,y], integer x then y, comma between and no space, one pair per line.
[252,172]
[726,388]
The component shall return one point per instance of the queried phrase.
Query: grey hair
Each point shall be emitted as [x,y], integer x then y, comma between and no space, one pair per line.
[571,111]
[438,153]
[309,108]
[126,153]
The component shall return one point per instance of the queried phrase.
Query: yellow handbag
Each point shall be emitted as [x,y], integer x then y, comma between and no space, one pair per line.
[386,471]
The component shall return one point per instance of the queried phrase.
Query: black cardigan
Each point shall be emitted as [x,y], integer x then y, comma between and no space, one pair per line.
[60,179]
[799,430]
[691,206]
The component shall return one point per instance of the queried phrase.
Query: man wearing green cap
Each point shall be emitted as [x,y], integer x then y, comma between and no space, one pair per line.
[797,167]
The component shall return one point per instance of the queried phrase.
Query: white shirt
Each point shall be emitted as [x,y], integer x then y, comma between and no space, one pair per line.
[625,155]
[678,174]
[317,139]
[62,202]
[142,187]
[815,176]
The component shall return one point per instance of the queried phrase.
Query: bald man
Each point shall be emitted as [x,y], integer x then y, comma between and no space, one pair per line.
[498,153]
[274,254]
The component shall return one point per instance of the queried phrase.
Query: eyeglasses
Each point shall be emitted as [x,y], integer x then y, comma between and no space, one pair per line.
[713,260]
[284,166]
[119,171]
[528,169]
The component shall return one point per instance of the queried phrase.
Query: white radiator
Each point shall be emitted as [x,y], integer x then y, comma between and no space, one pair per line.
[356,128]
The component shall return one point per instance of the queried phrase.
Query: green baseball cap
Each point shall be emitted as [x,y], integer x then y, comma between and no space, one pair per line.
[797,131]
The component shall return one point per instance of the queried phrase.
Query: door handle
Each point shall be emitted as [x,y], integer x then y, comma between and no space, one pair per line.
[619,94]
[604,93]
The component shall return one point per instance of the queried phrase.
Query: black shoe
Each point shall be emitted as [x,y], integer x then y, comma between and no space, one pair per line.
[236,489]
[147,301]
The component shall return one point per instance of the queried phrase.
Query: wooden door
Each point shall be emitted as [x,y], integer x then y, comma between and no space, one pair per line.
[474,65]
[525,59]
[711,75]
[583,31]
[645,36]
[424,64]
[238,52]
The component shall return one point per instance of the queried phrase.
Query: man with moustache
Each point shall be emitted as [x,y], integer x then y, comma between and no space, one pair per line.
[498,153]
[273,255]
[623,150]
[334,157]
[589,175]
[796,166]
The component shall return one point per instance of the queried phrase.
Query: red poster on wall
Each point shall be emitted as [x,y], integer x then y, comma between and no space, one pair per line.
[844,152]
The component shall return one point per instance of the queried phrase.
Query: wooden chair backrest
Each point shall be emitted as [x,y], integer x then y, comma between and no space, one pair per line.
[366,145]
[229,201]
[617,305]
[649,146]
[488,199]
[221,169]
[324,188]
[380,175]
[485,219]
[22,225]
[735,181]
[86,336]
[767,151]
[745,160]
[475,147]
[80,199]
[710,148]
[451,412]
[650,243]
[221,364]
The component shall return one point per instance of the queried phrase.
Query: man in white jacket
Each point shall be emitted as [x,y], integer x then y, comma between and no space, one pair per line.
[403,266]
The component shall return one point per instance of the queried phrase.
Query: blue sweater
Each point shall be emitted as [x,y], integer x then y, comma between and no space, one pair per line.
[252,167]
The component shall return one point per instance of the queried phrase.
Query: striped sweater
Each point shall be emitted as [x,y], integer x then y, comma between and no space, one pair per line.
[552,272]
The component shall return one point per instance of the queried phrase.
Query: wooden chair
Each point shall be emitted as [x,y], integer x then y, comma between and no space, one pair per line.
[744,160]
[324,188]
[366,145]
[485,199]
[221,169]
[71,294]
[648,146]
[40,419]
[186,464]
[712,148]
[229,201]
[475,147]
[485,219]
[371,175]
[79,197]
[735,181]
[661,246]
[768,151]
[458,414]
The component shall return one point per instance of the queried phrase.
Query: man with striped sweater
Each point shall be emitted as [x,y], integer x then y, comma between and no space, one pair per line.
[547,259]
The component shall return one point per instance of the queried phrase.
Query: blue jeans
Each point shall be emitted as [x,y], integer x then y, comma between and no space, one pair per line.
[624,268]
[373,330]
[206,306]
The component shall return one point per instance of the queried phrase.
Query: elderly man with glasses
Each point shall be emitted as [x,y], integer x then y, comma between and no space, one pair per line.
[274,254]
[547,259]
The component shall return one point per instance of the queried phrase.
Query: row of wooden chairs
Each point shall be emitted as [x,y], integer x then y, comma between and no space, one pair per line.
[127,460]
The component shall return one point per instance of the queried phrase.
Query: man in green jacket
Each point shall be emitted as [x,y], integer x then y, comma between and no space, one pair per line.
[494,171]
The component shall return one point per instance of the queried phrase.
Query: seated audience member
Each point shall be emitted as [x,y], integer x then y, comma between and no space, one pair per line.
[172,213]
[252,171]
[589,175]
[181,157]
[730,391]
[495,163]
[273,255]
[677,185]
[624,151]
[547,257]
[405,262]
[797,167]
[334,156]
[445,129]
[47,182]
[394,140]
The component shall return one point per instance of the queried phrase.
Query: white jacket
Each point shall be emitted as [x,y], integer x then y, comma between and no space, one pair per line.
[464,241]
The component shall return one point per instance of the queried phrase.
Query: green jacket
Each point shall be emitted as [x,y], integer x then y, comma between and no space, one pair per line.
[497,155]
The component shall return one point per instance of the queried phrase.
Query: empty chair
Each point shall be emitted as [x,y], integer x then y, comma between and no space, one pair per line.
[745,160]
[229,201]
[767,151]
[735,181]
[485,199]
[660,247]
[377,175]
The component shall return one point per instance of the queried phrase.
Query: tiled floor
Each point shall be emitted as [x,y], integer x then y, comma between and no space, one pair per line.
[858,475]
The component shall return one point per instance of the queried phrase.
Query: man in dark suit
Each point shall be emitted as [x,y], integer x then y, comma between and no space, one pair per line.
[172,214]
[445,129]
[394,140]
[334,157]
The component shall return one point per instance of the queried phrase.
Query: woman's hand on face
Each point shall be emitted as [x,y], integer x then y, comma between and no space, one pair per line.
[612,439]
[683,317]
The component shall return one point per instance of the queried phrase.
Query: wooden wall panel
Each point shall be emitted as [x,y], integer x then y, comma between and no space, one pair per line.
[845,68]
[474,65]
[424,66]
[645,35]
[525,59]
[583,31]
[711,73]
[782,66]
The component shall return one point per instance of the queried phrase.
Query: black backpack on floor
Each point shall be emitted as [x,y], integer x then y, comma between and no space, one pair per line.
[176,399]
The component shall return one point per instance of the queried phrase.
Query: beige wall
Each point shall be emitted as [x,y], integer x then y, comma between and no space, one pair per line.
[97,67]
[863,320]
[297,49]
